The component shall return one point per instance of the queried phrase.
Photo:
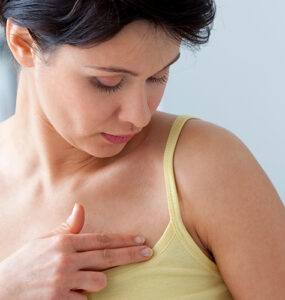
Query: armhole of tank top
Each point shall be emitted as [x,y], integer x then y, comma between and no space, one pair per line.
[173,203]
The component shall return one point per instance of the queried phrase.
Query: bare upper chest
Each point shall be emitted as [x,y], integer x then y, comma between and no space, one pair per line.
[136,203]
[131,200]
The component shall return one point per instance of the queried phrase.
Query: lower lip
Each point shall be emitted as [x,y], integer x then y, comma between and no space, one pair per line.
[116,139]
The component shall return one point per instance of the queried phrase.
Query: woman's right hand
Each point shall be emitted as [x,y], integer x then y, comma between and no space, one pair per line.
[64,264]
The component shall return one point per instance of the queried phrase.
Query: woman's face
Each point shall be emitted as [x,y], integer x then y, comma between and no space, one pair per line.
[80,98]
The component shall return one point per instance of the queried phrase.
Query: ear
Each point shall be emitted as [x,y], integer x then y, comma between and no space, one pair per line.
[21,44]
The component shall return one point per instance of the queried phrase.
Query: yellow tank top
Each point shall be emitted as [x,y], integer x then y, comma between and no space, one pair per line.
[178,268]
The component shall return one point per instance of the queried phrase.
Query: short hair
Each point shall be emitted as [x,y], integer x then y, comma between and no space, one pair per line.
[85,23]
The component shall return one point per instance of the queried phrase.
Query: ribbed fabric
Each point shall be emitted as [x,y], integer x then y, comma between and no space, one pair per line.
[178,269]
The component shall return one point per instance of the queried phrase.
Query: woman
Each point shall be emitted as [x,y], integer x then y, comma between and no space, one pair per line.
[87,130]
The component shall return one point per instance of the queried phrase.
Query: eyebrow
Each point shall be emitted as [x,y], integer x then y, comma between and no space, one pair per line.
[122,70]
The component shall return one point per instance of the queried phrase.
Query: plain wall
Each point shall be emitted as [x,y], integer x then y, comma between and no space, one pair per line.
[237,80]
[8,80]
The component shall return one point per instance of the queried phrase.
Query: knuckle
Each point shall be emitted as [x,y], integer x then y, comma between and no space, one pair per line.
[53,295]
[103,240]
[108,256]
[56,294]
[60,240]
[62,261]
[131,254]
[54,283]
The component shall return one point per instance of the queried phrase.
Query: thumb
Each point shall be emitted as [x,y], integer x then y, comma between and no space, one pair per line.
[73,224]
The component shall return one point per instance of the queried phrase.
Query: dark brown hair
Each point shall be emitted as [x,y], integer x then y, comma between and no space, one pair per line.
[52,23]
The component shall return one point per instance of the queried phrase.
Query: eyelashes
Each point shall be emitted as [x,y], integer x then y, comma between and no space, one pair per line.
[113,89]
[107,89]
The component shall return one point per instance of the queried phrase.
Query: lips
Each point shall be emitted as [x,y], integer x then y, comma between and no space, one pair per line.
[115,139]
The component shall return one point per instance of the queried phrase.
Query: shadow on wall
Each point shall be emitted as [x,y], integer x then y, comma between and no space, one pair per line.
[8,80]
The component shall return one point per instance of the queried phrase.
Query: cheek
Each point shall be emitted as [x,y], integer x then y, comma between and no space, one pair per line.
[89,107]
[155,96]
[71,105]
[50,93]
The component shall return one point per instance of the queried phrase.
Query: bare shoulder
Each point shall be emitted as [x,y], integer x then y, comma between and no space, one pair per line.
[236,210]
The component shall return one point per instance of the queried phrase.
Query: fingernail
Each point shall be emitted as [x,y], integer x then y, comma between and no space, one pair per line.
[73,212]
[74,208]
[146,252]
[139,240]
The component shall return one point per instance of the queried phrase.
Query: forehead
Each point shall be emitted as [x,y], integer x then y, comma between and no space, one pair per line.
[139,45]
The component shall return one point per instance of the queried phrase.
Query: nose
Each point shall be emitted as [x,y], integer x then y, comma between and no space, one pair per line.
[135,107]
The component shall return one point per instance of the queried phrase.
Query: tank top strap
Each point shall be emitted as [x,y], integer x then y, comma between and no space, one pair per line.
[173,202]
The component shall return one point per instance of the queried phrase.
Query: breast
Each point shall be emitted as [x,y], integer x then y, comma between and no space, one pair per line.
[172,273]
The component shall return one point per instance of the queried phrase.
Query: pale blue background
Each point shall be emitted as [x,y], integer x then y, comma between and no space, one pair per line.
[236,81]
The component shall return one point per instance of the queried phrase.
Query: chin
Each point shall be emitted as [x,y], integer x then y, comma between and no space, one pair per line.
[105,152]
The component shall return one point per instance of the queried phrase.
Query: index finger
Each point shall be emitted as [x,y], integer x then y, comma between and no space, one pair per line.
[93,241]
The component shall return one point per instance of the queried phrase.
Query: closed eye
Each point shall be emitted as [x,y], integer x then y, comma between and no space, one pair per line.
[111,89]
[161,80]
[106,88]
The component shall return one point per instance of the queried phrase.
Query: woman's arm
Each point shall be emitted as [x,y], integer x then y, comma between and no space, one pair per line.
[239,215]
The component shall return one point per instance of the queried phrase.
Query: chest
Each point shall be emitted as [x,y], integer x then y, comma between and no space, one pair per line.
[134,203]
[131,200]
